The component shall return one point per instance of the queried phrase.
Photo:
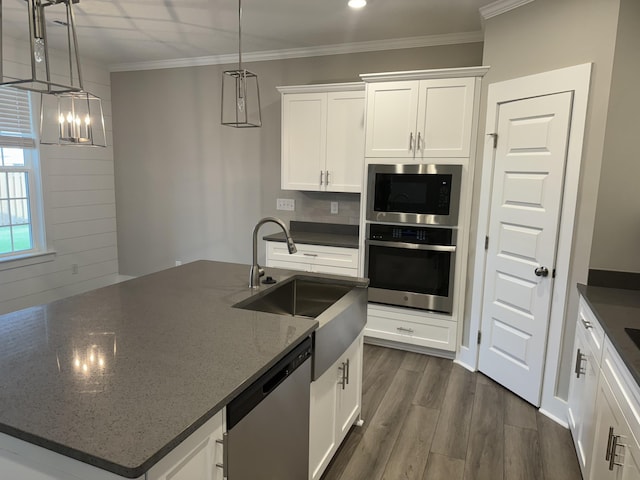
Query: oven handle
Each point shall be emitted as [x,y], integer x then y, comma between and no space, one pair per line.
[412,246]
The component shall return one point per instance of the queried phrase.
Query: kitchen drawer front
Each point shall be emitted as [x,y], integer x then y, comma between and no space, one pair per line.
[593,329]
[411,328]
[314,255]
[624,387]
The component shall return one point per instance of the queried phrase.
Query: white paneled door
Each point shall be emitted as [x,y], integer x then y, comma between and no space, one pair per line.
[528,179]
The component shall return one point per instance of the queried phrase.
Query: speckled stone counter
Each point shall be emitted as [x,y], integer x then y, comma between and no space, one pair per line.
[617,309]
[118,376]
[311,233]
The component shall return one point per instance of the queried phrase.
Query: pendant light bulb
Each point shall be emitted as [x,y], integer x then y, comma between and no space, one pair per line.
[38,50]
[357,3]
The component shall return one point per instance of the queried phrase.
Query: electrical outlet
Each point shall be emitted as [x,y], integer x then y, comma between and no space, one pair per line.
[334,208]
[74,269]
[178,263]
[288,204]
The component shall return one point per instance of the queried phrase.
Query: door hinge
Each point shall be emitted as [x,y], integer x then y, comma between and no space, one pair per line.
[553,273]
[479,337]
[495,139]
[486,242]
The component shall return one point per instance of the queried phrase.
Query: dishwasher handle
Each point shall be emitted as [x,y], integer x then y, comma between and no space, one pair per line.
[247,400]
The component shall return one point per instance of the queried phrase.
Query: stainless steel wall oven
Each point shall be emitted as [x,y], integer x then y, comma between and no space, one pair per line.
[422,194]
[411,266]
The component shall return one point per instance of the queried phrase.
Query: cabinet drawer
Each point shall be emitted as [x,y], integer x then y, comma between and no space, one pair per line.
[314,255]
[411,328]
[625,389]
[594,332]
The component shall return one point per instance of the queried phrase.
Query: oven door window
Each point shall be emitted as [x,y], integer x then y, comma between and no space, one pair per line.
[410,270]
[413,193]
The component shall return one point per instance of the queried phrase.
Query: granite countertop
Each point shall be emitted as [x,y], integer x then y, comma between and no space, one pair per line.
[118,376]
[312,233]
[617,309]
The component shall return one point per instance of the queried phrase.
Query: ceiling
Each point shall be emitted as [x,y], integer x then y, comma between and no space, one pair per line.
[118,32]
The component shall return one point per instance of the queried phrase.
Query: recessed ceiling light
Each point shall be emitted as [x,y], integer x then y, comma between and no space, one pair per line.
[357,3]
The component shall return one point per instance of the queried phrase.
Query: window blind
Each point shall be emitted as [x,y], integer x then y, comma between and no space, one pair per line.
[15,118]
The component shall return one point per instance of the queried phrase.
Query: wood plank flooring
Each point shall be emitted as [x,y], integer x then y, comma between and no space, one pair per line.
[429,419]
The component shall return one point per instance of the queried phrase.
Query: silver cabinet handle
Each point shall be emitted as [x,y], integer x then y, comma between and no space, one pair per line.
[405,330]
[223,465]
[410,141]
[418,143]
[578,370]
[586,324]
[321,177]
[609,441]
[310,254]
[348,371]
[343,370]
[327,177]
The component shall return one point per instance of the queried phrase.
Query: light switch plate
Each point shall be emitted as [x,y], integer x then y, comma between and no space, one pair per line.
[288,204]
[334,208]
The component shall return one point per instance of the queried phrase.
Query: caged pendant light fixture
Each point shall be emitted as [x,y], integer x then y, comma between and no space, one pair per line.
[69,115]
[240,92]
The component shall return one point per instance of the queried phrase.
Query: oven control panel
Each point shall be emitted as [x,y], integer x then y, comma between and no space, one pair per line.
[411,234]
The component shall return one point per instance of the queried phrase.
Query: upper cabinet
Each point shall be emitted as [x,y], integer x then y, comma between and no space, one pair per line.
[421,117]
[323,137]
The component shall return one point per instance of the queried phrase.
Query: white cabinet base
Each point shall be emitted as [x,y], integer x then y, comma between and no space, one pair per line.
[313,258]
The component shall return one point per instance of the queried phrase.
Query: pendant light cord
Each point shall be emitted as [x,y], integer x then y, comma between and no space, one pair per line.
[240,35]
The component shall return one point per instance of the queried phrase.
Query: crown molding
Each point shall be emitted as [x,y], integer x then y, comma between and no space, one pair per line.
[423,74]
[338,49]
[501,6]
[323,88]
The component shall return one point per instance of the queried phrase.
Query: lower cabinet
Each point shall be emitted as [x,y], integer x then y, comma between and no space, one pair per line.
[200,456]
[616,452]
[413,327]
[314,258]
[335,407]
[604,405]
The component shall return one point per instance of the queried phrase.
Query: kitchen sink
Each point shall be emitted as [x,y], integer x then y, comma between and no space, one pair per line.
[301,297]
[339,306]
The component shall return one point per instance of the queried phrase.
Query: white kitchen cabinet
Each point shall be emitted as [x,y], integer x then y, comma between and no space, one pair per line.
[336,402]
[313,258]
[409,326]
[616,452]
[587,354]
[199,456]
[323,137]
[427,118]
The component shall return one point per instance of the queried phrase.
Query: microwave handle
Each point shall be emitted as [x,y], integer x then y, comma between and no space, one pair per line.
[413,246]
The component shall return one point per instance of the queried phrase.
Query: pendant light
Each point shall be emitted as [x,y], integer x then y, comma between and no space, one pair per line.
[82,111]
[240,92]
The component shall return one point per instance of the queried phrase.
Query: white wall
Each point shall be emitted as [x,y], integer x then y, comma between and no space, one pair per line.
[79,209]
[546,35]
[616,237]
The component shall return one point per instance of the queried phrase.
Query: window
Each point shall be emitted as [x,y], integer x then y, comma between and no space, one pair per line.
[21,232]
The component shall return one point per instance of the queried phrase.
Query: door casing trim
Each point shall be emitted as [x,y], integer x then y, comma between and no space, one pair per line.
[577,80]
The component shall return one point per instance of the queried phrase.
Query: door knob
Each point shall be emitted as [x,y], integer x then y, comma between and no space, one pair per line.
[541,271]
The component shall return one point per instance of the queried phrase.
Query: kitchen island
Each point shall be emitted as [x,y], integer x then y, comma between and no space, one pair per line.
[118,377]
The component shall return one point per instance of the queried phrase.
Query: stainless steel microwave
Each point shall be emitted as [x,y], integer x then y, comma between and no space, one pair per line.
[421,194]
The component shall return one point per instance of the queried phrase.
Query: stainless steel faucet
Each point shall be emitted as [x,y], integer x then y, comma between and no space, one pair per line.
[256,270]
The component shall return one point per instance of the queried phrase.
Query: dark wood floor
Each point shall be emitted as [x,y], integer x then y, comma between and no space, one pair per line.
[429,419]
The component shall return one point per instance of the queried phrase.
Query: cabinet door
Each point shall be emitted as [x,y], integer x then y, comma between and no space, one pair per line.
[582,398]
[349,388]
[345,141]
[322,430]
[608,416]
[391,119]
[445,117]
[304,139]
[199,456]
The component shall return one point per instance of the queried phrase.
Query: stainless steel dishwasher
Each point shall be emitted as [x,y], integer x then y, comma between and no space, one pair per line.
[268,423]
